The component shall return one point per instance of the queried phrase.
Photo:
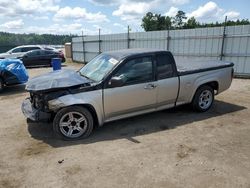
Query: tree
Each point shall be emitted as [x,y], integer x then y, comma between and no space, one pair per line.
[10,40]
[154,22]
[168,22]
[149,22]
[191,23]
[178,19]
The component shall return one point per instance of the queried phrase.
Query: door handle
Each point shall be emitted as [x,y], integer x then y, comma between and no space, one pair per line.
[150,86]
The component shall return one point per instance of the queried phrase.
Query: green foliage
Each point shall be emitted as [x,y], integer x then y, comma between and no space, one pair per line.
[191,23]
[178,19]
[154,22]
[11,39]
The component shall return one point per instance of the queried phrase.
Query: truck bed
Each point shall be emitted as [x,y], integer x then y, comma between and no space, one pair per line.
[190,67]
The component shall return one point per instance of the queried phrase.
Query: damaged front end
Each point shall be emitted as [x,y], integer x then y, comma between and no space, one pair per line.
[36,106]
[48,87]
[33,113]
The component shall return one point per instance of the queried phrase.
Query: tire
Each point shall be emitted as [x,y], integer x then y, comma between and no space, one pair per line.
[73,123]
[1,84]
[203,98]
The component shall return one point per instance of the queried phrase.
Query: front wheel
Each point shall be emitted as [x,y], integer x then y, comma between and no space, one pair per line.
[203,98]
[72,123]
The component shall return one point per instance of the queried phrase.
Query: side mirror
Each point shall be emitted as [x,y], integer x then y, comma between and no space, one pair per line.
[115,82]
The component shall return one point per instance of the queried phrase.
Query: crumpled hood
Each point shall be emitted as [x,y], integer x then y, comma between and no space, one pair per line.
[56,79]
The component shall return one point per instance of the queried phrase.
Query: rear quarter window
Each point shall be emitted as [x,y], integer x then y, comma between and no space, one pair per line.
[165,67]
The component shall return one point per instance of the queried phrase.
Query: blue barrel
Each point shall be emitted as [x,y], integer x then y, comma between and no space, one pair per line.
[56,64]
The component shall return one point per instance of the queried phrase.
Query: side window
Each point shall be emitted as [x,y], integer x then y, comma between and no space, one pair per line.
[165,67]
[48,52]
[26,49]
[34,53]
[42,52]
[138,70]
[16,50]
[34,48]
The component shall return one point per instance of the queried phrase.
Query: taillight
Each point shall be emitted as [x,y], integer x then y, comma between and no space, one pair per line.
[61,55]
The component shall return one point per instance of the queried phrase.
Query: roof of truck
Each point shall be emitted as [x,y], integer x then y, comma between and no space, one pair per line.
[183,67]
[120,54]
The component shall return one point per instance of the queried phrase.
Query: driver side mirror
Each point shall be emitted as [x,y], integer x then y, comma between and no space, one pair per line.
[115,82]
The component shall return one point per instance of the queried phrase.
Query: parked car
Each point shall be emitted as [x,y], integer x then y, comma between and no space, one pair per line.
[51,48]
[121,84]
[19,51]
[40,57]
[12,72]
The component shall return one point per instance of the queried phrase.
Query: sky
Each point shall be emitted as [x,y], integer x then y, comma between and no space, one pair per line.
[111,16]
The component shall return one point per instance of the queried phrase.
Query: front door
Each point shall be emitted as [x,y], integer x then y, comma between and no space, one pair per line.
[138,92]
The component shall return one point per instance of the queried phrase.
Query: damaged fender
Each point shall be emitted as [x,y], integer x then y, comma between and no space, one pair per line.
[93,98]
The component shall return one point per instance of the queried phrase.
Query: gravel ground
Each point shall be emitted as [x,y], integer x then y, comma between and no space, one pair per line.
[171,148]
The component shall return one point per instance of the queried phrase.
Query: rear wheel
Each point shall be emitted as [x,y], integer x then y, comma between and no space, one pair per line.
[203,98]
[72,123]
[1,84]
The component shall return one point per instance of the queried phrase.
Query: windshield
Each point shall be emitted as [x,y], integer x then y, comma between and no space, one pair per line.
[98,67]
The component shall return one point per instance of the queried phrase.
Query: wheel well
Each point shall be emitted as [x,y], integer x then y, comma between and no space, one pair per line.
[88,107]
[92,111]
[213,85]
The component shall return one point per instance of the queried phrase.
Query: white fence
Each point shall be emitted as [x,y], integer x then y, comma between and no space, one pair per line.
[230,43]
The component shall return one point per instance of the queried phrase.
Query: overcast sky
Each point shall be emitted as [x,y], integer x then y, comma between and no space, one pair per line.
[112,16]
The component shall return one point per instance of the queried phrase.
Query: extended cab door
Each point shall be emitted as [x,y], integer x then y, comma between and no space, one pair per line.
[138,92]
[168,83]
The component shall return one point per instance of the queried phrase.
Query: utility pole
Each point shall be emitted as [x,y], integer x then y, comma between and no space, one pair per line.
[128,38]
[83,47]
[168,40]
[99,40]
[223,39]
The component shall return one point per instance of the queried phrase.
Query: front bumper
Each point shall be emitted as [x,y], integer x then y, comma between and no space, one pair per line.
[34,114]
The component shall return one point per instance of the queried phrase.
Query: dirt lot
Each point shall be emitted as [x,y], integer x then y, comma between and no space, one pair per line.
[172,148]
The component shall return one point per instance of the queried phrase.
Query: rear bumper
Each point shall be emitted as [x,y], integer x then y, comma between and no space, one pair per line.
[34,114]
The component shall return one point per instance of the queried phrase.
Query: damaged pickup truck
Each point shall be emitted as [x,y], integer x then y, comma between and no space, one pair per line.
[121,84]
